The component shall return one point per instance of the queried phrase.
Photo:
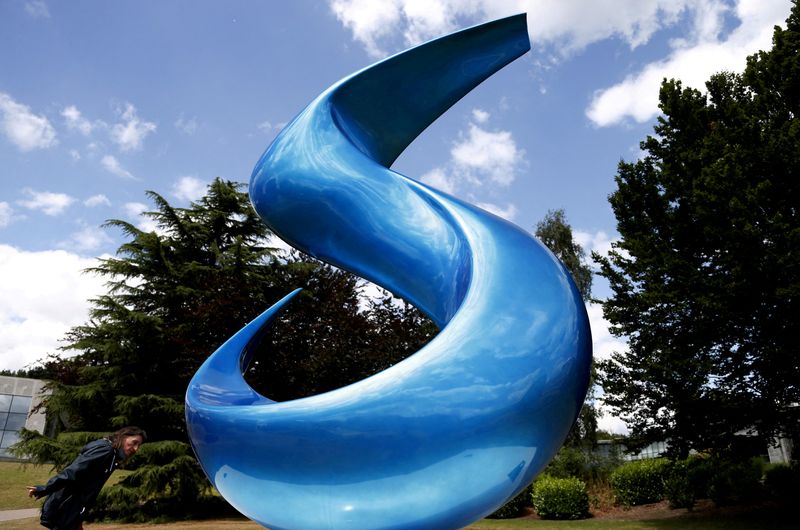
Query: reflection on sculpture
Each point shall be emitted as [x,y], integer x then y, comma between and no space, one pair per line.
[449,434]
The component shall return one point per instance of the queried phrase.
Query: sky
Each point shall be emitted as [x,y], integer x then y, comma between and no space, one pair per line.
[102,101]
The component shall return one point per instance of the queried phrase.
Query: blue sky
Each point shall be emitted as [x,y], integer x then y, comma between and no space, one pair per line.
[101,101]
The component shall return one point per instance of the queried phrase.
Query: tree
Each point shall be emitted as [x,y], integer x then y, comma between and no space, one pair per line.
[556,234]
[706,276]
[174,295]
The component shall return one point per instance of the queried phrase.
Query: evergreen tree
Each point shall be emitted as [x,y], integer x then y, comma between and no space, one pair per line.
[706,277]
[174,295]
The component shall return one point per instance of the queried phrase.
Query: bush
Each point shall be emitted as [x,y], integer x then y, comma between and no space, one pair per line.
[640,481]
[560,498]
[515,506]
[677,486]
[736,482]
[782,481]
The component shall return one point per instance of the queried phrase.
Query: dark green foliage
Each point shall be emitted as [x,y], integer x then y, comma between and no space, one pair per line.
[782,481]
[736,482]
[678,487]
[174,296]
[706,276]
[326,339]
[640,481]
[560,498]
[516,506]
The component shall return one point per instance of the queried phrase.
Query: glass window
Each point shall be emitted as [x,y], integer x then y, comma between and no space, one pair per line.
[16,422]
[5,402]
[3,417]
[9,439]
[21,404]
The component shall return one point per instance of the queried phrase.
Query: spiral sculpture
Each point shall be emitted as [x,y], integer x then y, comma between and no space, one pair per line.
[448,435]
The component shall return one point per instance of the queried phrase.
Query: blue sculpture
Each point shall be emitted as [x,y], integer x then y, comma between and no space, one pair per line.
[448,435]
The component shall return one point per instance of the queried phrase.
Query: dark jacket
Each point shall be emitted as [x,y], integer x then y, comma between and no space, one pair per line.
[76,487]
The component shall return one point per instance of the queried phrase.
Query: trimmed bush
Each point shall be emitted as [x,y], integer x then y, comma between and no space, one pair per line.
[560,498]
[640,481]
[515,506]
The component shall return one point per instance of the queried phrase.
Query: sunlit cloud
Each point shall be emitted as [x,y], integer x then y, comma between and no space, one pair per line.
[75,120]
[6,214]
[189,188]
[129,134]
[42,295]
[111,164]
[87,239]
[693,59]
[97,200]
[23,128]
[45,201]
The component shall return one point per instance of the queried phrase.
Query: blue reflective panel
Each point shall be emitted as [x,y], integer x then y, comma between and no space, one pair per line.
[21,404]
[16,422]
[448,435]
[5,402]
[9,438]
[3,418]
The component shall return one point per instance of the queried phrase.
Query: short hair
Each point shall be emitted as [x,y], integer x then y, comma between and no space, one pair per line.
[119,436]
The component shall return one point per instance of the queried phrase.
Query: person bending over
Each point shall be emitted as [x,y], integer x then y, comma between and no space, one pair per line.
[75,488]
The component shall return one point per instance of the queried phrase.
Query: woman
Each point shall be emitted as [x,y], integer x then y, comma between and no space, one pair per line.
[76,487]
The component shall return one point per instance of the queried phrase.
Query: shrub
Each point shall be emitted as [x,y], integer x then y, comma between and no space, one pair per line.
[515,506]
[735,482]
[568,462]
[640,481]
[782,481]
[677,486]
[560,498]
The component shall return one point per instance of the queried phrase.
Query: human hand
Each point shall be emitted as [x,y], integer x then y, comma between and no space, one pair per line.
[32,492]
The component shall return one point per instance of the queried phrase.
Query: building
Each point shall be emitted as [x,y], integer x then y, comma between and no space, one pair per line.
[19,398]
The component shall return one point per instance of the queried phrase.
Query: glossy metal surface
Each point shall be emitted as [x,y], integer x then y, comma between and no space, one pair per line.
[449,434]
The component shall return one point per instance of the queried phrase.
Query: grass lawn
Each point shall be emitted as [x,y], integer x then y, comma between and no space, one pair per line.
[14,477]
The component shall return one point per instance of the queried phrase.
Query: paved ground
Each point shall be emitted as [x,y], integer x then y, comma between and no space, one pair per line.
[10,515]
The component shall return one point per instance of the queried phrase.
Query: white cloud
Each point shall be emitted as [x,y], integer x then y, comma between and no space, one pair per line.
[48,202]
[74,154]
[564,26]
[6,214]
[42,295]
[145,224]
[693,59]
[97,200]
[599,242]
[369,21]
[189,188]
[439,179]
[480,115]
[509,212]
[37,9]
[23,128]
[131,132]
[75,121]
[186,126]
[480,161]
[492,154]
[110,163]
[603,345]
[88,238]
